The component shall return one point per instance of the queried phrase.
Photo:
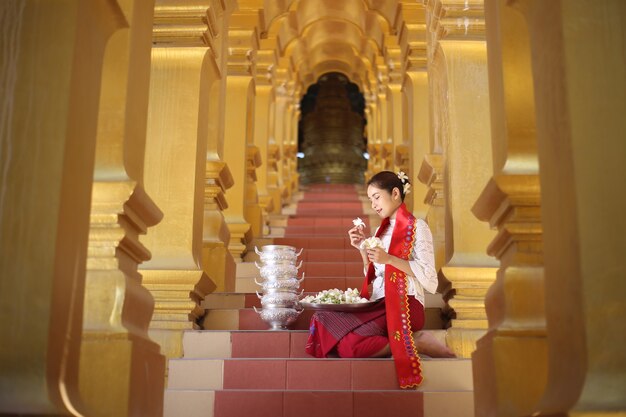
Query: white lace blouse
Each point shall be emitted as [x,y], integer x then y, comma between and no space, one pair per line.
[421,260]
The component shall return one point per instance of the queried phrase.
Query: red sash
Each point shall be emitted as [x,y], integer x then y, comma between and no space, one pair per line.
[400,336]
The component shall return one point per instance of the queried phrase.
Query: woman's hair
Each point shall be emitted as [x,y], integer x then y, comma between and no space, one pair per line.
[387,180]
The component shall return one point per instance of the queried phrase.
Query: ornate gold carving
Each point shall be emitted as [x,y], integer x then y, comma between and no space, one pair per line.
[456,19]
[187,23]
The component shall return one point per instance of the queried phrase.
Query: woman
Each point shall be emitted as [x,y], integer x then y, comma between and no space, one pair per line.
[398,273]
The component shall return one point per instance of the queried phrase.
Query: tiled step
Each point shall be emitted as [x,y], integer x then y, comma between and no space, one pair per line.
[314,231]
[198,344]
[314,374]
[330,208]
[248,319]
[339,222]
[311,196]
[279,403]
[315,242]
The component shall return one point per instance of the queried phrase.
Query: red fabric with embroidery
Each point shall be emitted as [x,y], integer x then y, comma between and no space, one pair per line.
[408,367]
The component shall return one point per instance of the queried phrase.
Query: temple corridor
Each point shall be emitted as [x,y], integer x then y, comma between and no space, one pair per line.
[147,147]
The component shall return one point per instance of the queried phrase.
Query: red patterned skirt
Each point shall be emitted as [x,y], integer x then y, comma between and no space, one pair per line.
[358,334]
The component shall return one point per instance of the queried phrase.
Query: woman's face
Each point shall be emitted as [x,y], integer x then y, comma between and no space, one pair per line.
[383,203]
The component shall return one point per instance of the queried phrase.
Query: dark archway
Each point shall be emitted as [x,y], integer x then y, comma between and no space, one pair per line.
[331,137]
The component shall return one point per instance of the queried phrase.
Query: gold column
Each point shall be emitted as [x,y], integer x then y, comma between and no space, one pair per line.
[579,67]
[253,211]
[384,128]
[280,109]
[216,258]
[238,124]
[464,136]
[289,145]
[396,109]
[266,60]
[117,356]
[509,364]
[48,123]
[293,159]
[431,175]
[374,140]
[183,71]
[415,89]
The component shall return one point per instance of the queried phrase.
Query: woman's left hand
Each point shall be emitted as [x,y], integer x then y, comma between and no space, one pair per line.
[378,255]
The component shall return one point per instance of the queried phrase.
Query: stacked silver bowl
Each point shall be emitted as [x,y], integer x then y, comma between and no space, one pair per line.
[279,284]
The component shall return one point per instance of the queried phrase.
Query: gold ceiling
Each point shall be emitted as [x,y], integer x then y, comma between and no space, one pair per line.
[313,37]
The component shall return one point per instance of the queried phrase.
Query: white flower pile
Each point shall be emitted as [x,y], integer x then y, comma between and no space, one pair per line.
[335,296]
[371,243]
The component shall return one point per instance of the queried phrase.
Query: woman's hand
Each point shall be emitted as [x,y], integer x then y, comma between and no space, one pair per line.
[356,236]
[379,256]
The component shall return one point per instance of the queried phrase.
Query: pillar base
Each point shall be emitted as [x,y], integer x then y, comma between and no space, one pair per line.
[133,387]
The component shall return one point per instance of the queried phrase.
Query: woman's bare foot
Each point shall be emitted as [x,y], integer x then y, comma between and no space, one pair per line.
[427,344]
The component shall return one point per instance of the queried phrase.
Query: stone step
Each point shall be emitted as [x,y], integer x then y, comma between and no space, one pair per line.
[316,242]
[315,231]
[198,344]
[278,403]
[319,210]
[314,374]
[311,196]
[248,319]
[338,222]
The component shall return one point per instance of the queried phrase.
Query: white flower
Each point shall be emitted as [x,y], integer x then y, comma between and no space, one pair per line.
[403,176]
[358,222]
[335,296]
[371,243]
[407,188]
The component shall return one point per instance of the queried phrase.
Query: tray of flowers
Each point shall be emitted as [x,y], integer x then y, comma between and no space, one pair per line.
[338,300]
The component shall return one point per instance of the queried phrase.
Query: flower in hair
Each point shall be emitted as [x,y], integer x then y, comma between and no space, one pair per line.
[406,186]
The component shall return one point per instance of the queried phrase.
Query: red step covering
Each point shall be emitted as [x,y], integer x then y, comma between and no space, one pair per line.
[266,403]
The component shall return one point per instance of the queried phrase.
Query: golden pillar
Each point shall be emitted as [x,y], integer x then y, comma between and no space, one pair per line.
[373,146]
[292,159]
[217,260]
[431,175]
[415,91]
[183,71]
[117,356]
[48,125]
[579,67]
[289,145]
[238,123]
[281,103]
[464,137]
[385,125]
[509,363]
[396,109]
[266,60]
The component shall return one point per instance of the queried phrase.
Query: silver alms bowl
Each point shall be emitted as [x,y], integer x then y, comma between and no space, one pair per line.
[278,318]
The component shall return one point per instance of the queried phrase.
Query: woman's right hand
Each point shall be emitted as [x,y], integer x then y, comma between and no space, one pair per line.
[356,236]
